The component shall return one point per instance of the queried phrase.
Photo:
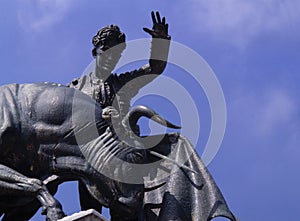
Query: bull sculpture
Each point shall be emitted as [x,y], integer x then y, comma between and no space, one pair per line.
[46,139]
[39,132]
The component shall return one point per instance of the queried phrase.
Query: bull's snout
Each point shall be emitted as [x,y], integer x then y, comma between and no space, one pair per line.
[132,201]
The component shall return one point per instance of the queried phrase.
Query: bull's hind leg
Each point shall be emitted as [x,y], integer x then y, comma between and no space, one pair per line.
[14,184]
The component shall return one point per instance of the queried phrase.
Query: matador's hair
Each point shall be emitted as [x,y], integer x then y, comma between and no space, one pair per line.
[108,37]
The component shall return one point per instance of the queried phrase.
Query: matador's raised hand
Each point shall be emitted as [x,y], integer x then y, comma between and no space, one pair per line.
[160,27]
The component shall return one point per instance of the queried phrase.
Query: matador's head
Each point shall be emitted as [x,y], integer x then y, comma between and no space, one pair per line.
[107,38]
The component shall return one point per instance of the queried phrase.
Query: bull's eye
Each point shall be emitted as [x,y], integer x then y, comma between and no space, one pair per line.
[135,157]
[138,157]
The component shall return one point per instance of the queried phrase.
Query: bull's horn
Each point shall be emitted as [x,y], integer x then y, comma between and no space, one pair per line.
[139,111]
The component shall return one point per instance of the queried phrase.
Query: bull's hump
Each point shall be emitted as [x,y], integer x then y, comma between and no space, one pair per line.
[48,103]
[57,109]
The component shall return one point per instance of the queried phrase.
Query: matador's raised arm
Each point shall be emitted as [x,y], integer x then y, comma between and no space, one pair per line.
[158,58]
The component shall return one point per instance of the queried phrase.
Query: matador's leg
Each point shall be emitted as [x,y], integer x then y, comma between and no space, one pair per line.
[13,183]
[87,201]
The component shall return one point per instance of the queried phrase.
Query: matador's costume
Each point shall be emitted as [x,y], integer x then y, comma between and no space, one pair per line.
[104,86]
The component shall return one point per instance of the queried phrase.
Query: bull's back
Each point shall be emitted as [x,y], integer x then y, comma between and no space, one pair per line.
[46,103]
[42,116]
[57,112]
[23,103]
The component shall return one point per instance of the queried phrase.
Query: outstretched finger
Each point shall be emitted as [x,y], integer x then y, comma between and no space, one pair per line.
[153,17]
[158,17]
[163,20]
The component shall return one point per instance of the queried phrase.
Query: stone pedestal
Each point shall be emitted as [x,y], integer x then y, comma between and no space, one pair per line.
[88,215]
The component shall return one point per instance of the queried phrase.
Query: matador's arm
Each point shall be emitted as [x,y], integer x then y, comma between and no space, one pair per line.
[158,58]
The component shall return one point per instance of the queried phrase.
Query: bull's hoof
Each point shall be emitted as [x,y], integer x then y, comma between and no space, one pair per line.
[53,213]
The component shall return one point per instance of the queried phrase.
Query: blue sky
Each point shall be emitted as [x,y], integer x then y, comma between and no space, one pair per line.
[253,48]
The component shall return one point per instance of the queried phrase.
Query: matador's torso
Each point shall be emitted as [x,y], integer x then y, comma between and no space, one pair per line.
[116,90]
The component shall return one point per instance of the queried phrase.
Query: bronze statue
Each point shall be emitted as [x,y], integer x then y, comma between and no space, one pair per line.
[40,150]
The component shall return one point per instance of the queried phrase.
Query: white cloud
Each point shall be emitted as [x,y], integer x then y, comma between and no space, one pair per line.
[38,15]
[239,21]
[276,109]
[264,113]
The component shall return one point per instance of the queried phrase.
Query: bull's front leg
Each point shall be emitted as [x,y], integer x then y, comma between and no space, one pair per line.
[15,184]
[123,200]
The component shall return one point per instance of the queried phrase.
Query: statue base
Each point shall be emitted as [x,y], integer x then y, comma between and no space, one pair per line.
[87,215]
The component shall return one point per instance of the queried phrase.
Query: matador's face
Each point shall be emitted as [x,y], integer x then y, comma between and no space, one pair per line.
[109,44]
[108,59]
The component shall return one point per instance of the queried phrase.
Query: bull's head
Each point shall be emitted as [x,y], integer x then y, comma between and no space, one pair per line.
[120,155]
